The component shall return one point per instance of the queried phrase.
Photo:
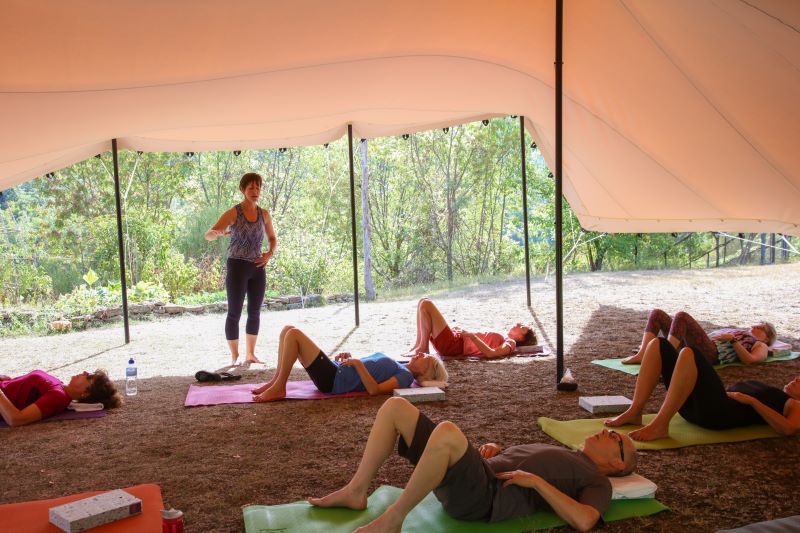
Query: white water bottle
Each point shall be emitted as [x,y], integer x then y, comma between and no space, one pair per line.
[130,379]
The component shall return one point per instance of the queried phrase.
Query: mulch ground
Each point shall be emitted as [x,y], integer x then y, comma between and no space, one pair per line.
[210,461]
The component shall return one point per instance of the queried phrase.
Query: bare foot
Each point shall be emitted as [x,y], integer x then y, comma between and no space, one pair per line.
[252,359]
[628,417]
[384,523]
[271,394]
[265,386]
[634,359]
[650,432]
[344,497]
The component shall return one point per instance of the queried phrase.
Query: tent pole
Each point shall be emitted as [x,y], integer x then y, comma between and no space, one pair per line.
[558,195]
[123,283]
[353,218]
[525,205]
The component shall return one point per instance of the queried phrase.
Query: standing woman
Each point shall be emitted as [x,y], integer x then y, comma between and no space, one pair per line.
[246,223]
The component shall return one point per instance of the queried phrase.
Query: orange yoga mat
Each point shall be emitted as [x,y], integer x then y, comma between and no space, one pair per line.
[33,517]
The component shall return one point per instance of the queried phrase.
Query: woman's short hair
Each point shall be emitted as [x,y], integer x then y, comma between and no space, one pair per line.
[769,329]
[102,390]
[530,338]
[249,178]
[436,375]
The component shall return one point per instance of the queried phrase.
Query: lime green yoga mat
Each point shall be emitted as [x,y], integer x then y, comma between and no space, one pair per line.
[428,516]
[616,364]
[681,433]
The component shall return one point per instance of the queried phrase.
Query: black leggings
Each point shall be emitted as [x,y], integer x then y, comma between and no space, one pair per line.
[244,277]
[708,405]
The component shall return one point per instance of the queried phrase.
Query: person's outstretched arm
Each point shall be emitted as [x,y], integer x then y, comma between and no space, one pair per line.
[580,516]
[221,227]
[15,417]
[505,349]
[785,425]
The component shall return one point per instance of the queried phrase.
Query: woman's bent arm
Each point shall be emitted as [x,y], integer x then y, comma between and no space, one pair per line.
[785,425]
[15,417]
[759,353]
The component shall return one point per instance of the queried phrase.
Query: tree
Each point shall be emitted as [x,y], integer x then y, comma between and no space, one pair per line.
[368,285]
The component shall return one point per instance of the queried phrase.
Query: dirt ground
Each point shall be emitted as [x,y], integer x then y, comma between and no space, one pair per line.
[210,461]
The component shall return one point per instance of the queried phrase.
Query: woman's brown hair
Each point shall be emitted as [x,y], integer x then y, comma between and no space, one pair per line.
[102,390]
[249,178]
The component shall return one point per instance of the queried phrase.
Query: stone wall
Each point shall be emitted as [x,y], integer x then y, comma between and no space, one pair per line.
[161,309]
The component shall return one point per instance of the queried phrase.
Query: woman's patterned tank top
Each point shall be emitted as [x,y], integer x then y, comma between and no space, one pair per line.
[246,236]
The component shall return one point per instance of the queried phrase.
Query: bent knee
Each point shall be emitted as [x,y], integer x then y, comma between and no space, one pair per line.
[447,432]
[682,316]
[685,354]
[287,329]
[396,404]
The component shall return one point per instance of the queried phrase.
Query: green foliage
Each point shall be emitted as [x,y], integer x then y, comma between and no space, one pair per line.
[445,207]
[202,298]
[176,274]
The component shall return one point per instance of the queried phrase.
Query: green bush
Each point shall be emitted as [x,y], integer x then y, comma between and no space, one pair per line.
[22,282]
[203,298]
[178,276]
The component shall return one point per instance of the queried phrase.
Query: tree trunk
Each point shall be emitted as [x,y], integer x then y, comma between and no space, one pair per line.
[369,287]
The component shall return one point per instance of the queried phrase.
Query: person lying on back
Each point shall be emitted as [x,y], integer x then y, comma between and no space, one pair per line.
[39,395]
[486,484]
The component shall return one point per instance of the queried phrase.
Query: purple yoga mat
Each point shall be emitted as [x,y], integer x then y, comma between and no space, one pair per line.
[66,415]
[240,393]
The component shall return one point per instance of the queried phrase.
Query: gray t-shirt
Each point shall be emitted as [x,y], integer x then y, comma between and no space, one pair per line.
[572,473]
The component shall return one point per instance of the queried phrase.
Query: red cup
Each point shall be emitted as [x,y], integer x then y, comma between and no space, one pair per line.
[171,521]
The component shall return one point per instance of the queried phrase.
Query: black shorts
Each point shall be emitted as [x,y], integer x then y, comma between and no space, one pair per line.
[322,372]
[708,405]
[468,487]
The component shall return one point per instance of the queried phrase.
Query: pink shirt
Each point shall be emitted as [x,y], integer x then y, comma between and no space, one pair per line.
[492,339]
[39,388]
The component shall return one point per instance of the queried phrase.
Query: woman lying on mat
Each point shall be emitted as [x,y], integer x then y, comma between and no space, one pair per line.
[376,374]
[38,395]
[695,391]
[455,342]
[729,345]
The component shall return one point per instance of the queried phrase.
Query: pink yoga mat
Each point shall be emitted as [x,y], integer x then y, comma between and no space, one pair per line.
[240,393]
[66,415]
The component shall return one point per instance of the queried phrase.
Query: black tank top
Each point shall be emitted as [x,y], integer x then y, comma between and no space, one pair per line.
[772,397]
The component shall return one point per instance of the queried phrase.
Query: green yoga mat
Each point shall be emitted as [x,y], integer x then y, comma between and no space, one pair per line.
[573,432]
[428,516]
[616,364]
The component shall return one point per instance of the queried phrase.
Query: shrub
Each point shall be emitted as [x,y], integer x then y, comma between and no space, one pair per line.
[178,276]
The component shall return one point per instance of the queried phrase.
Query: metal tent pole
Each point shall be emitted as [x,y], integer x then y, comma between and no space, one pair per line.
[522,148]
[123,283]
[558,195]
[353,218]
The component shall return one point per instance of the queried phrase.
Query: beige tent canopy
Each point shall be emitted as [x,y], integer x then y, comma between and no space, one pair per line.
[678,116]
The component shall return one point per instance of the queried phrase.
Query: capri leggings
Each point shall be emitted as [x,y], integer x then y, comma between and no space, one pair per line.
[686,330]
[708,405]
[244,278]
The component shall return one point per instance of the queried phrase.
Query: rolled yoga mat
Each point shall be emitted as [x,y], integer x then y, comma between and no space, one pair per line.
[240,393]
[681,433]
[66,415]
[616,364]
[428,516]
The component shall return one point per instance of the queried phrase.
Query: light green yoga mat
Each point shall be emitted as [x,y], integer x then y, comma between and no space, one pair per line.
[682,433]
[616,364]
[428,517]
